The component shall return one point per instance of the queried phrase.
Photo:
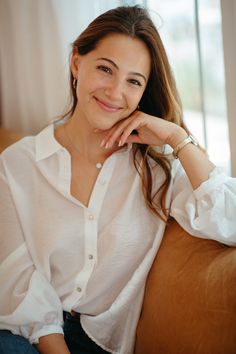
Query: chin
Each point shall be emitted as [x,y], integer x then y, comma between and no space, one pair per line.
[106,124]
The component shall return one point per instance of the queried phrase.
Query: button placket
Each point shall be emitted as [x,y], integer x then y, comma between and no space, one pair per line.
[91,240]
[90,231]
[102,183]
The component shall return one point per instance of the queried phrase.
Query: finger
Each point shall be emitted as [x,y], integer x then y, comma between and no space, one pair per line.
[105,141]
[127,132]
[115,134]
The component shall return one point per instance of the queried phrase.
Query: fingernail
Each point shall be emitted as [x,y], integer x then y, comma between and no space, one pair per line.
[120,143]
[107,146]
[102,143]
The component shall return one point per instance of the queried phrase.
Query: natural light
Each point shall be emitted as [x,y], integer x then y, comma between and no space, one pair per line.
[196,56]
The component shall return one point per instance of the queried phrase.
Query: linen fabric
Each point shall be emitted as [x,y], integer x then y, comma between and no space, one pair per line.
[56,254]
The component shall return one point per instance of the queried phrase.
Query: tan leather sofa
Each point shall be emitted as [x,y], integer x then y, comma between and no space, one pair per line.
[8,137]
[190,299]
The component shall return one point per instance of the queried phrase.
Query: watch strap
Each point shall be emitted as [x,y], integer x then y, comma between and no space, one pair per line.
[187,140]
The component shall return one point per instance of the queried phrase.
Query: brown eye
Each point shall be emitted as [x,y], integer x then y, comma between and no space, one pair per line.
[135,82]
[104,68]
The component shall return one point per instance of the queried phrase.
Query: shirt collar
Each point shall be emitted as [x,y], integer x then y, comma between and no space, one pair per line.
[46,144]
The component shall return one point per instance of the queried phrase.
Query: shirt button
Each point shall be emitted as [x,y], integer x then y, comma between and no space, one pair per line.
[91,217]
[79,289]
[90,256]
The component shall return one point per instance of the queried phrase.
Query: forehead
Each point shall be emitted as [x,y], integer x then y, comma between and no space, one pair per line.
[124,51]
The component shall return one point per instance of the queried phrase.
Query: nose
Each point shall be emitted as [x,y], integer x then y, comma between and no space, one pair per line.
[114,90]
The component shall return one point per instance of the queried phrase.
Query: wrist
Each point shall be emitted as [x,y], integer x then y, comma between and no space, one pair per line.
[178,135]
[189,139]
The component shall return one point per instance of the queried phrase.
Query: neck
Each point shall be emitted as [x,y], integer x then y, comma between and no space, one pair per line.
[86,139]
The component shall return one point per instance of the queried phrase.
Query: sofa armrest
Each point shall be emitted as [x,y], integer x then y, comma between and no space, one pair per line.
[8,137]
[190,298]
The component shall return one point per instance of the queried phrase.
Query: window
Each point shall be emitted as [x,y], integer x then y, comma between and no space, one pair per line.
[192,35]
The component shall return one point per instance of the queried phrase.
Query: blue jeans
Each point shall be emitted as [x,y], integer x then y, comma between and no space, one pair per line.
[77,340]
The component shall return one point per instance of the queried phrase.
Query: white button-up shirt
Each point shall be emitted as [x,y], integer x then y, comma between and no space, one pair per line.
[56,254]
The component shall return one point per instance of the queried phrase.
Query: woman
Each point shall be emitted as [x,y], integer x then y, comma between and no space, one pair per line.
[84,204]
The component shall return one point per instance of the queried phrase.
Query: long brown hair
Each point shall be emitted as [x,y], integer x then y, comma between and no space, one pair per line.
[159,99]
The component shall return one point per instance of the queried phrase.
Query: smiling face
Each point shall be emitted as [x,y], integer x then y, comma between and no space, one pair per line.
[111,80]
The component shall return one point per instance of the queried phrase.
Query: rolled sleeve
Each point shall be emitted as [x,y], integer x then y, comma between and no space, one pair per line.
[207,211]
[46,330]
[31,312]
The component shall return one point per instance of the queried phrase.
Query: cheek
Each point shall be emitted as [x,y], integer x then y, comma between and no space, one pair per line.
[94,83]
[86,85]
[135,97]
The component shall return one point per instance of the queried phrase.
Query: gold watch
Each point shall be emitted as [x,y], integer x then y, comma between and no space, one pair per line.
[187,140]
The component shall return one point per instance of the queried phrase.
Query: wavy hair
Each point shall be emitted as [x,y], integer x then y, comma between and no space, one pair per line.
[159,99]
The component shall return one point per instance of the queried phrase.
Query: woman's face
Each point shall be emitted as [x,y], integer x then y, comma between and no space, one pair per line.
[111,80]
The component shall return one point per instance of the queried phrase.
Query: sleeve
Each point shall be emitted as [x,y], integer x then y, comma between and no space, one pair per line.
[29,306]
[209,210]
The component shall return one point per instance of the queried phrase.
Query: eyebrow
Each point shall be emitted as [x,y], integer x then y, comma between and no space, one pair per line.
[116,66]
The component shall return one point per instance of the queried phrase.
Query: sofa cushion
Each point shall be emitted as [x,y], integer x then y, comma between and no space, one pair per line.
[190,298]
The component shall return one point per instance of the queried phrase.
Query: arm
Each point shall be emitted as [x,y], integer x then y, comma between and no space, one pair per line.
[158,132]
[204,203]
[52,344]
[194,161]
[29,306]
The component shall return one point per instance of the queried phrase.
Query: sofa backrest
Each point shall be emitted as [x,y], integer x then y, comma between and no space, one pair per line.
[8,137]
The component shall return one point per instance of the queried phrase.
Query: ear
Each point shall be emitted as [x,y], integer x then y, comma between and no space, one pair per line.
[74,63]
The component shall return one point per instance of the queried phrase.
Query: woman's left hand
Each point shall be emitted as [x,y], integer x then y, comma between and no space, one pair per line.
[143,128]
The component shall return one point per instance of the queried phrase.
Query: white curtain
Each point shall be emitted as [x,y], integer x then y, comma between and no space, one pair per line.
[35,42]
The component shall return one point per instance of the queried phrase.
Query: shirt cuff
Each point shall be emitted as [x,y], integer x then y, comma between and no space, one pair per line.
[216,178]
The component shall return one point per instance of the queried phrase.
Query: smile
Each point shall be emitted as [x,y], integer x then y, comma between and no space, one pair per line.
[106,106]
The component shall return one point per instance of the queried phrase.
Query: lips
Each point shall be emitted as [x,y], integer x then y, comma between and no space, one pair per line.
[107,106]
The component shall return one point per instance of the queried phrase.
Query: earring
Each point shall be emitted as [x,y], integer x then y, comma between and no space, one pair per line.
[74,83]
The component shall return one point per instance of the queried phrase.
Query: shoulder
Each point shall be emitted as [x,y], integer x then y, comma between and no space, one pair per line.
[32,148]
[22,148]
